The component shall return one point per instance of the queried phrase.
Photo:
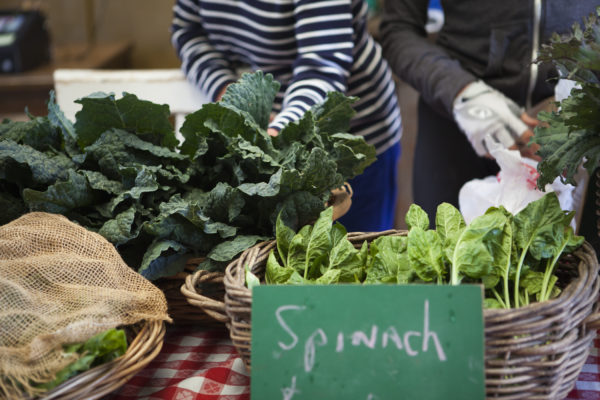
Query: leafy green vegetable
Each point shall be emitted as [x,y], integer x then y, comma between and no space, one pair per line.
[425,254]
[250,279]
[538,231]
[416,217]
[119,171]
[319,253]
[389,262]
[99,349]
[472,256]
[513,256]
[449,224]
[571,135]
[101,112]
[501,249]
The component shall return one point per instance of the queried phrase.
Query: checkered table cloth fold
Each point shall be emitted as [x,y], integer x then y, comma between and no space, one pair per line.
[193,364]
[199,364]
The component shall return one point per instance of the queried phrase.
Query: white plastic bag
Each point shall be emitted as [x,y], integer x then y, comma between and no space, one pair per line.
[514,187]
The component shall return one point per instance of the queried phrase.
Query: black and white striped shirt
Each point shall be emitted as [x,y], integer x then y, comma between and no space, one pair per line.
[310,46]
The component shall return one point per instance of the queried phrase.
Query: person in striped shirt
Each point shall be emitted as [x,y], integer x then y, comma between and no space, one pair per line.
[310,47]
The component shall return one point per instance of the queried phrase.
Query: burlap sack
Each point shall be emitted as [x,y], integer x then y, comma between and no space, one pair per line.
[61,284]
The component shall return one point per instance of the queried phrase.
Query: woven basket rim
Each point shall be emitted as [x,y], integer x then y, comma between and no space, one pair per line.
[103,379]
[211,307]
[535,351]
[235,281]
[237,292]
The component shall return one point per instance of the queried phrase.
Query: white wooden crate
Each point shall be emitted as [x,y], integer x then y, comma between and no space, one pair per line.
[161,86]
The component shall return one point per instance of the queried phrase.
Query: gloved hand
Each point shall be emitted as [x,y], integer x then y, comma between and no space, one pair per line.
[484,114]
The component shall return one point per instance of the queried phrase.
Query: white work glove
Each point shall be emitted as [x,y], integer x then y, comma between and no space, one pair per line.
[484,114]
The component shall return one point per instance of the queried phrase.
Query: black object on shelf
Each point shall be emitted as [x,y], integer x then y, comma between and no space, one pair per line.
[24,40]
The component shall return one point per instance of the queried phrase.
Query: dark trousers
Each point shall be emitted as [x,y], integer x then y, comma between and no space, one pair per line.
[375,192]
[444,161]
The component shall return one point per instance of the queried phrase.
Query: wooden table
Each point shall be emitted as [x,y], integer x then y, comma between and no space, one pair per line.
[31,88]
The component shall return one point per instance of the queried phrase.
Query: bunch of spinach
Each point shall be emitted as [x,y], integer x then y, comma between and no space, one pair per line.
[570,136]
[97,350]
[120,171]
[513,256]
[320,253]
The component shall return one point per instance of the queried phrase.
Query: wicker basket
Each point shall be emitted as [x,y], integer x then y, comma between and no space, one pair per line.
[106,378]
[533,352]
[181,306]
[205,291]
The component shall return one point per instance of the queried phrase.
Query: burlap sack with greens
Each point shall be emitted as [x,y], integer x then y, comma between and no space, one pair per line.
[61,284]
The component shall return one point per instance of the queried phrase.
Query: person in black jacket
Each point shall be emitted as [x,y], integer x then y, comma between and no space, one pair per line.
[475,81]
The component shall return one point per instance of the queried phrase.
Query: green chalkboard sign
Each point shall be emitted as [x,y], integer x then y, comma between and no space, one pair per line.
[413,342]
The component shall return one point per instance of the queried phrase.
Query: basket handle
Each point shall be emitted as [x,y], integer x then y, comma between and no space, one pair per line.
[191,289]
[341,200]
[592,321]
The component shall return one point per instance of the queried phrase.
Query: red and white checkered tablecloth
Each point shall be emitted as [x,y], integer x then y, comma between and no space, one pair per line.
[197,364]
[193,364]
[587,386]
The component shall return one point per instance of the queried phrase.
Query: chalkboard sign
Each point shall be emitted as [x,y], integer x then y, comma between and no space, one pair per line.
[367,342]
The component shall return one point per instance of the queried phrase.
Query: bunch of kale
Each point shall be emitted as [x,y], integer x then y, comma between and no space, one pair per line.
[571,135]
[119,170]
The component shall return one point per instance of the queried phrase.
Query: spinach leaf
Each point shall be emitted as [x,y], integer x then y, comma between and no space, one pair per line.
[390,261]
[449,224]
[416,217]
[344,256]
[426,254]
[251,280]
[538,230]
[472,256]
[500,248]
[99,349]
[318,244]
[275,273]
[284,236]
[548,289]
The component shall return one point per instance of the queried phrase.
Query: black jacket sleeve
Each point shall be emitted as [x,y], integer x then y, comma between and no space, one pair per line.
[418,61]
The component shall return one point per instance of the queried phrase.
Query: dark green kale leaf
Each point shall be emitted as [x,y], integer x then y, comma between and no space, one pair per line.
[36,133]
[576,54]
[62,196]
[26,166]
[563,149]
[253,95]
[102,112]
[571,135]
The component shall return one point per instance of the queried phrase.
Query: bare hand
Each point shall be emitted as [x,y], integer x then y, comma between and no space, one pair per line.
[528,149]
[529,120]
[524,144]
[221,93]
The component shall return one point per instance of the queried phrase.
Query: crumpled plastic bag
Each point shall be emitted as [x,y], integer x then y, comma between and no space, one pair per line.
[514,187]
